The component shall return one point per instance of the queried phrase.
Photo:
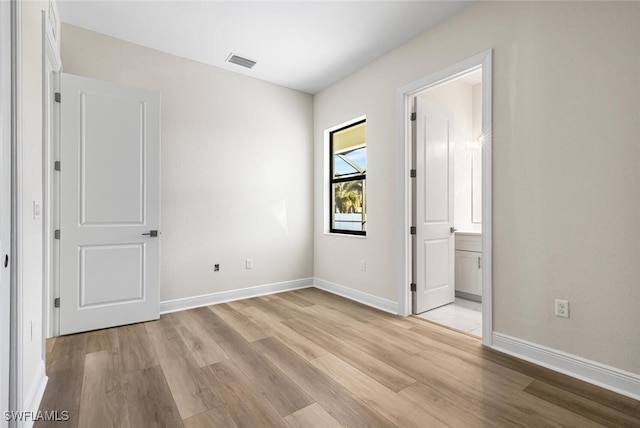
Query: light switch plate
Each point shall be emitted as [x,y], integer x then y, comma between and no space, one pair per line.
[36,210]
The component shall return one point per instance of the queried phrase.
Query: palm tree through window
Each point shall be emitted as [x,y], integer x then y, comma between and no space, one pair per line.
[348,151]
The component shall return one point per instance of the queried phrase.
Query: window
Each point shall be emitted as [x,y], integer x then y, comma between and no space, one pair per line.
[348,178]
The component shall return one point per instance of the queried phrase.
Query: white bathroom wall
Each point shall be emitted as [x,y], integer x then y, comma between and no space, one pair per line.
[236,168]
[476,157]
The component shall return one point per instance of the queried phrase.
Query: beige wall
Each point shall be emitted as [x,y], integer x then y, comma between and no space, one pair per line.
[236,168]
[30,164]
[565,169]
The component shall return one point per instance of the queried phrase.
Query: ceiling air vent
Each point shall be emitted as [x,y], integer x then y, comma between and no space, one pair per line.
[238,60]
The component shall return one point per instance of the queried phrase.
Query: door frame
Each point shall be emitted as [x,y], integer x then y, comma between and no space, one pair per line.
[404,95]
[15,257]
[7,110]
[51,68]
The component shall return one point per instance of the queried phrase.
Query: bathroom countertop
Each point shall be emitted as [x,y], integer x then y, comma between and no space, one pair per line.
[469,232]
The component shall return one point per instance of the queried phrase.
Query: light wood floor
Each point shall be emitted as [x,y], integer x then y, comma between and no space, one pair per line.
[308,359]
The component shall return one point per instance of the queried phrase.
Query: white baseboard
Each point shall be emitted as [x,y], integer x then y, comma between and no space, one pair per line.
[34,396]
[229,296]
[364,298]
[598,374]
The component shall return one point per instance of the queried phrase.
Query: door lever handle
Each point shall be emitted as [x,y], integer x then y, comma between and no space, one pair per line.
[152,233]
[453,229]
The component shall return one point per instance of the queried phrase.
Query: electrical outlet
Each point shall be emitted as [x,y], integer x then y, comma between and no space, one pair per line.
[216,267]
[562,308]
[248,264]
[363,265]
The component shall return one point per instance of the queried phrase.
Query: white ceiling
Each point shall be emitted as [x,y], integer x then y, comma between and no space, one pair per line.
[304,45]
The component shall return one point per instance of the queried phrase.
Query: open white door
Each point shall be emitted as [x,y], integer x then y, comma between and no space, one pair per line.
[434,207]
[109,204]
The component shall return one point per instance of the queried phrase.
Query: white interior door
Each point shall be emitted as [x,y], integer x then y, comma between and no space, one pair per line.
[109,186]
[434,207]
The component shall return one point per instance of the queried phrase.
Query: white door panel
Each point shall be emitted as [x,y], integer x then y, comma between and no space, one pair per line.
[105,145]
[109,270]
[436,155]
[434,205]
[127,282]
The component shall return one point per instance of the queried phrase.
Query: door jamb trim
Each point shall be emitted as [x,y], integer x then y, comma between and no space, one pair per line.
[50,190]
[404,203]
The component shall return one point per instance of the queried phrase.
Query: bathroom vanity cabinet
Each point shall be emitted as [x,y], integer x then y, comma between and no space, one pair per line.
[469,265]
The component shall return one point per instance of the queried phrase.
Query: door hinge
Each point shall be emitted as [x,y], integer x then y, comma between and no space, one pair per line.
[413,286]
[56,165]
[413,173]
[56,302]
[56,97]
[412,230]
[56,234]
[414,116]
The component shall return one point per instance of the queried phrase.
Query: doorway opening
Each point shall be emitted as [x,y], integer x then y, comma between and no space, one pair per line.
[455,281]
[446,150]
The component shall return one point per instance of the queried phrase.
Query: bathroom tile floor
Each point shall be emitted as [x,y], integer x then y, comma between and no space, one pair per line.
[464,315]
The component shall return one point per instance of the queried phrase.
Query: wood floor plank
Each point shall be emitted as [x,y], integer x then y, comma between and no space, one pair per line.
[136,351]
[356,310]
[384,373]
[469,344]
[463,361]
[575,386]
[386,402]
[582,406]
[300,344]
[203,348]
[343,327]
[425,372]
[474,374]
[456,410]
[149,399]
[281,392]
[189,387]
[339,318]
[216,417]
[494,392]
[265,304]
[244,303]
[282,305]
[103,401]
[65,369]
[240,323]
[312,416]
[296,298]
[207,319]
[247,407]
[102,340]
[333,397]
[49,345]
[489,406]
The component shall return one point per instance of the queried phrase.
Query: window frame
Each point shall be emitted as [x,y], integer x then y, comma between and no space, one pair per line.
[332,181]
